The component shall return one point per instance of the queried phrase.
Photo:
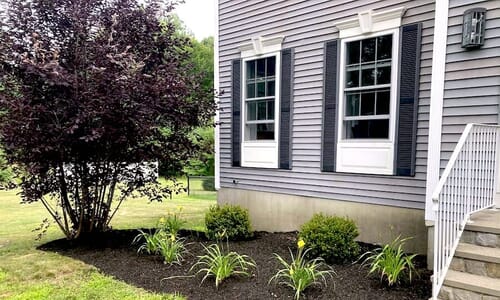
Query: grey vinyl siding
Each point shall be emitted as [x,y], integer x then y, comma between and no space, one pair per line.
[307,25]
[472,79]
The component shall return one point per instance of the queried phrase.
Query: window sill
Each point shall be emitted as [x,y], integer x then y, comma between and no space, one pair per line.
[259,154]
[366,157]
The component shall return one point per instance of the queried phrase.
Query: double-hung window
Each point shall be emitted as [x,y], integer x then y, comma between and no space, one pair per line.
[367,88]
[367,106]
[260,111]
[260,86]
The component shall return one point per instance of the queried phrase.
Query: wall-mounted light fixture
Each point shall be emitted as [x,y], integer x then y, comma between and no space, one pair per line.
[473,28]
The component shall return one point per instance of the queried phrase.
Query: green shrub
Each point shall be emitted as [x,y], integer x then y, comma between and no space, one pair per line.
[390,262]
[232,220]
[331,238]
[208,184]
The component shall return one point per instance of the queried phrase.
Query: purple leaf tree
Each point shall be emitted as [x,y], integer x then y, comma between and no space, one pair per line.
[92,93]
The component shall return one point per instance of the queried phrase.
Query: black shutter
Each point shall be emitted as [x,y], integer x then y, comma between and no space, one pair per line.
[285,109]
[329,146]
[236,122]
[408,100]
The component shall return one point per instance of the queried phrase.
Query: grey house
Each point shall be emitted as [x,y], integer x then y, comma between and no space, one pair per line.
[360,109]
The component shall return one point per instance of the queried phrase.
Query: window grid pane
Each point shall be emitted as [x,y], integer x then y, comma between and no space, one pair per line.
[260,102]
[367,129]
[368,78]
[371,67]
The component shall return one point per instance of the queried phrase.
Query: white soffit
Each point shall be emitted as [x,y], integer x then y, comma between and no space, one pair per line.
[368,22]
[261,45]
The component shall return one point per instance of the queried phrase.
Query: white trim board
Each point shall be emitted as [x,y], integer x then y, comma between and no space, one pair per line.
[370,22]
[436,104]
[216,87]
[261,46]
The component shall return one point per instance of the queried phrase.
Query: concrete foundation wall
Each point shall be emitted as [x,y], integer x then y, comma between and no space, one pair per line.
[275,212]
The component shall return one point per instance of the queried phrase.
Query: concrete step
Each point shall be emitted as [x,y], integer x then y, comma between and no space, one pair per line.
[477,260]
[461,282]
[487,221]
[484,229]
[476,252]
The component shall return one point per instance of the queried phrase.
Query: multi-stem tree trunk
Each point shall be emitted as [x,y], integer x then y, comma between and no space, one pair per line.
[87,192]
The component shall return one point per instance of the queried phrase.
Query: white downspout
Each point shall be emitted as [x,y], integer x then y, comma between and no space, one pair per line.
[216,87]
[436,104]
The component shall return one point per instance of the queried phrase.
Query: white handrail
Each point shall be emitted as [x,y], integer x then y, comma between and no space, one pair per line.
[467,185]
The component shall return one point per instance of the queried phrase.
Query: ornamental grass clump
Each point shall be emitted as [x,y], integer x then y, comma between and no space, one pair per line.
[301,273]
[171,249]
[150,241]
[390,262]
[173,222]
[222,264]
[161,242]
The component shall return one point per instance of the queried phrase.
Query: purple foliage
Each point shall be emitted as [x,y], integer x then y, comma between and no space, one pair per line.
[91,91]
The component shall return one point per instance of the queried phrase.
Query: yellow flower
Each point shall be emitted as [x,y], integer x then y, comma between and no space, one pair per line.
[291,272]
[301,243]
[172,238]
[162,220]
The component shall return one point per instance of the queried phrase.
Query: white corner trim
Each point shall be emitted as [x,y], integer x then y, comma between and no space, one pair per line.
[261,45]
[436,104]
[216,87]
[369,22]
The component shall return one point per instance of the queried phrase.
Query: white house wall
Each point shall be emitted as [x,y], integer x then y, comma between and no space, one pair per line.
[307,25]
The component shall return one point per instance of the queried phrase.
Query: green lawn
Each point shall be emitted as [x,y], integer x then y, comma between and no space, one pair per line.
[27,273]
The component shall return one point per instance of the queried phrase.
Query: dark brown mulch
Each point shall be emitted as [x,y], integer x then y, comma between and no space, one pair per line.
[113,255]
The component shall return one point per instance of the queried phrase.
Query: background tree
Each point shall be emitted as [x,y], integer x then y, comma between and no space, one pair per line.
[202,163]
[94,92]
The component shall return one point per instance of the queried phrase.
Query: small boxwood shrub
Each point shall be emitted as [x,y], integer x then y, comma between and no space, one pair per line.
[331,238]
[232,220]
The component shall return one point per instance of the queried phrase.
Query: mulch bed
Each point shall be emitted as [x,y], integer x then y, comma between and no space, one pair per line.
[113,255]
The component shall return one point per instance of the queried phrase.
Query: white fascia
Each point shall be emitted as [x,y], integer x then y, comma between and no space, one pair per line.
[369,22]
[216,87]
[436,105]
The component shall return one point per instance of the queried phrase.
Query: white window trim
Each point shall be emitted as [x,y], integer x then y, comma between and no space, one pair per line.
[263,153]
[261,46]
[370,22]
[368,156]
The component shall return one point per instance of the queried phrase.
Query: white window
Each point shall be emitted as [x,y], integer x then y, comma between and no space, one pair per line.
[260,87]
[367,88]
[367,103]
[260,102]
